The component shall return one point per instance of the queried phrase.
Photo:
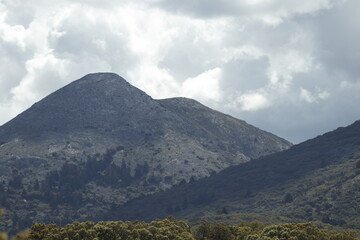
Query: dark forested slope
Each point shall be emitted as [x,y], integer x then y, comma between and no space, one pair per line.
[318,180]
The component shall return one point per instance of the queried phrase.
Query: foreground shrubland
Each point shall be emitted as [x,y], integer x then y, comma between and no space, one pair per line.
[173,229]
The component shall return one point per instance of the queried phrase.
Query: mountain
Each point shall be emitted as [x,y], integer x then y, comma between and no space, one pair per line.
[99,142]
[317,180]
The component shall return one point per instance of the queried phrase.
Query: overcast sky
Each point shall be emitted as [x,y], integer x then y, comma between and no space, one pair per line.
[287,66]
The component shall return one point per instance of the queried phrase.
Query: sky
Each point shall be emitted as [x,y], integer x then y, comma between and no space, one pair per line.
[288,67]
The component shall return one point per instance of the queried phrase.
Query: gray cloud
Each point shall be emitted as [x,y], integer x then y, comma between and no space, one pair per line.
[245,74]
[191,56]
[202,8]
[289,67]
[270,11]
[338,32]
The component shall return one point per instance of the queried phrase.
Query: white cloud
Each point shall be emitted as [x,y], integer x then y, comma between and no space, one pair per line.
[13,34]
[204,87]
[33,84]
[155,81]
[253,101]
[307,96]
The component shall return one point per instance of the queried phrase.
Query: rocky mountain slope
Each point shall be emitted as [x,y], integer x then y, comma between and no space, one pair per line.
[318,180]
[100,142]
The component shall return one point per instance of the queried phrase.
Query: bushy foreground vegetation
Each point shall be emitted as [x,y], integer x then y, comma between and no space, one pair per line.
[259,231]
[173,229]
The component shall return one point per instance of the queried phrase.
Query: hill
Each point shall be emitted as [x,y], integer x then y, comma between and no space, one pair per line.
[100,142]
[317,180]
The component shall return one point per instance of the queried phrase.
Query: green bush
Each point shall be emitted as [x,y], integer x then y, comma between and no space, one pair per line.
[173,229]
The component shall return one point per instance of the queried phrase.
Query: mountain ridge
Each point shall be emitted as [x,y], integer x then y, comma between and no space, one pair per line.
[317,180]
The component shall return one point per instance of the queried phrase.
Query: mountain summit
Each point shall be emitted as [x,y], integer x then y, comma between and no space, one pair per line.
[100,142]
[103,101]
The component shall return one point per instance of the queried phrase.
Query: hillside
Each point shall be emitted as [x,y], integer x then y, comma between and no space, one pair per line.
[100,142]
[318,180]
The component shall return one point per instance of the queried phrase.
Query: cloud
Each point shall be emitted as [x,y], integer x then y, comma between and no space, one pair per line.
[272,12]
[312,97]
[288,67]
[253,101]
[338,32]
[244,74]
[204,86]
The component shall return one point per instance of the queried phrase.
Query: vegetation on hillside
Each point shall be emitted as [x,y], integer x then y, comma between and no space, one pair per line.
[317,180]
[173,229]
[59,196]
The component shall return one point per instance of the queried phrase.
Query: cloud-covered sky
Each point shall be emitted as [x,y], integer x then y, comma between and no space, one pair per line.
[289,67]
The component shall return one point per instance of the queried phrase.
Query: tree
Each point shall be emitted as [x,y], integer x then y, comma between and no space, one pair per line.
[288,198]
[224,211]
[358,164]
[3,236]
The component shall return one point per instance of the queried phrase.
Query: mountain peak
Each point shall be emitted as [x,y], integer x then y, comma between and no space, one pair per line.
[102,77]
[103,83]
[95,101]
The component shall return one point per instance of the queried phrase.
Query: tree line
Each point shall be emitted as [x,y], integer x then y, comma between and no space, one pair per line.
[170,228]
